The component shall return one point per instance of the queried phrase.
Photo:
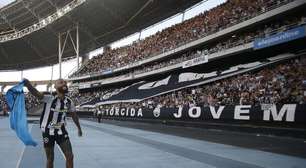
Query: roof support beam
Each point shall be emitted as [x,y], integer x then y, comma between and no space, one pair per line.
[34,48]
[81,26]
[4,17]
[26,5]
[5,8]
[22,14]
[61,46]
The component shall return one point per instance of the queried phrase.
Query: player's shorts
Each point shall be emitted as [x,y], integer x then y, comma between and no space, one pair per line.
[49,140]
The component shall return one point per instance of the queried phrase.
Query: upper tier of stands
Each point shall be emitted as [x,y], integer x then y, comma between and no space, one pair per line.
[209,22]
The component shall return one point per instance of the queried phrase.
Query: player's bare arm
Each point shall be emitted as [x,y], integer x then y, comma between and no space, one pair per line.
[75,119]
[33,90]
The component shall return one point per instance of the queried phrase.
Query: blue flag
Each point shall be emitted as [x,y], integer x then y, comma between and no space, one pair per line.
[18,119]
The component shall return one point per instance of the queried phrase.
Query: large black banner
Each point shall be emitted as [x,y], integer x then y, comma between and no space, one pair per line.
[270,113]
[147,89]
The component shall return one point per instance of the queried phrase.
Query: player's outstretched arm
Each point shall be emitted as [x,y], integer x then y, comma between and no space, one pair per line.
[33,90]
[75,119]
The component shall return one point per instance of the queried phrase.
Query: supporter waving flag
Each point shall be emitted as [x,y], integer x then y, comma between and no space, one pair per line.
[18,120]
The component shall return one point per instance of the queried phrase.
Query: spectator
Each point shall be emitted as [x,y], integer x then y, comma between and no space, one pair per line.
[278,84]
[223,16]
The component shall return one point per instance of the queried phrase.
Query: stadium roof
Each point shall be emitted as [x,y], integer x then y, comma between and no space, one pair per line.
[101,22]
[3,3]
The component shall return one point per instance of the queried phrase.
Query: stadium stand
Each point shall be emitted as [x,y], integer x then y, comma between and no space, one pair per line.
[1,103]
[272,85]
[30,102]
[275,84]
[236,40]
[232,12]
[230,43]
[225,88]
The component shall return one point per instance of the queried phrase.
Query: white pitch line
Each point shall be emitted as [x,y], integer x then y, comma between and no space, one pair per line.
[61,151]
[22,152]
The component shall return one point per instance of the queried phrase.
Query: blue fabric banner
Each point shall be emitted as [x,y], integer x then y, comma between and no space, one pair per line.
[18,119]
[279,38]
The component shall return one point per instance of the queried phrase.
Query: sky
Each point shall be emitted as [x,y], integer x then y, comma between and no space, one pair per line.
[5,2]
[67,67]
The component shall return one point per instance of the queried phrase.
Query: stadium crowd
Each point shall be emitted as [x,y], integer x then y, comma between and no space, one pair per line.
[234,41]
[276,84]
[283,84]
[80,98]
[2,103]
[245,89]
[30,102]
[216,19]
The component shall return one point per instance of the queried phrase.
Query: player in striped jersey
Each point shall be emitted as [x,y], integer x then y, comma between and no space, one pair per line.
[53,121]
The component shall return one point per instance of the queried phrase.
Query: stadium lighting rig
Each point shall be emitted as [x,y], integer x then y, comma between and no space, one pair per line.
[42,23]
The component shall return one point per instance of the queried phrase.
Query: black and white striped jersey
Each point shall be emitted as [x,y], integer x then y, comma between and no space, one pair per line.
[53,118]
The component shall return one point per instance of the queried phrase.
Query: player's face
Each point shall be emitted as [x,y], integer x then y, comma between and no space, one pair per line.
[61,86]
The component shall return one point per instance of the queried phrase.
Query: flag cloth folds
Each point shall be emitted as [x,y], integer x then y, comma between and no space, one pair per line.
[18,119]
